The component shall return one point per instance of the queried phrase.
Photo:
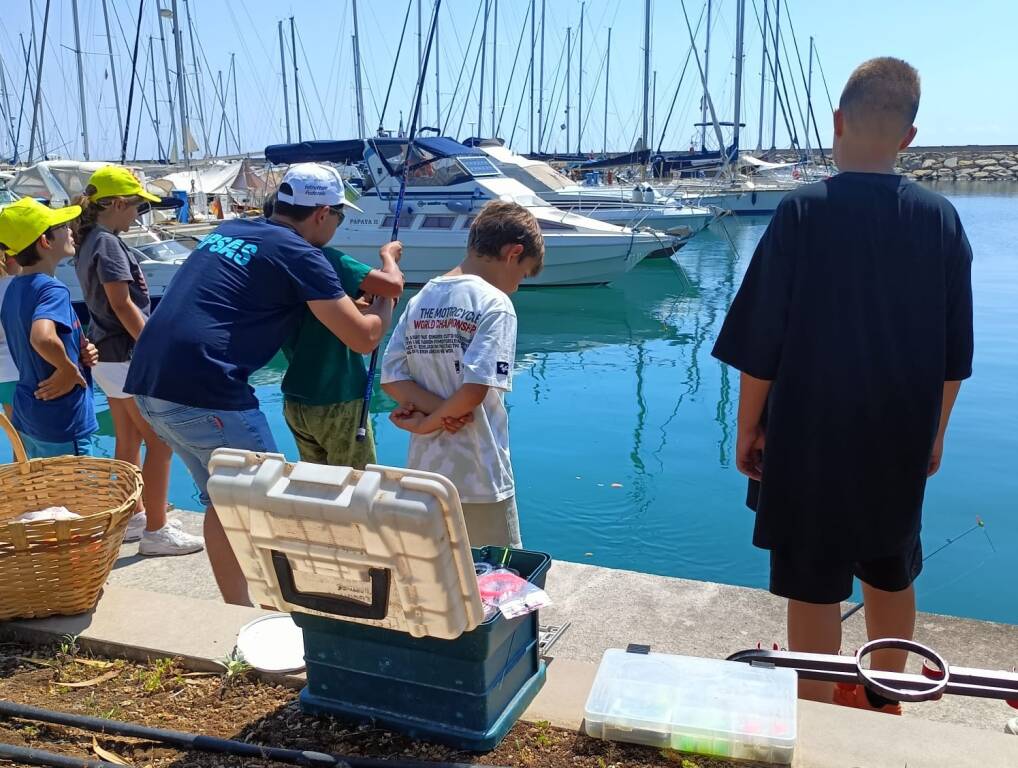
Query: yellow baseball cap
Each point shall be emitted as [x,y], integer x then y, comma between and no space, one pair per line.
[22,223]
[117,181]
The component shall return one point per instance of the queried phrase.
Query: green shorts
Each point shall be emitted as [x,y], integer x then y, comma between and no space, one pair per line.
[7,392]
[327,434]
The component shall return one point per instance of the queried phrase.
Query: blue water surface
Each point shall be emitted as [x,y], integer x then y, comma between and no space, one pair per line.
[623,426]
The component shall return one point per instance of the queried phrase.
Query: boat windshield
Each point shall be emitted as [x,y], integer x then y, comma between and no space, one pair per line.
[425,169]
[165,250]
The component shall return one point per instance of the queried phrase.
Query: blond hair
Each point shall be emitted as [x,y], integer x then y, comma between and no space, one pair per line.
[881,95]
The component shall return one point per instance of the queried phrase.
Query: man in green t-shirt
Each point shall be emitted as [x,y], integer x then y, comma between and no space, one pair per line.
[324,383]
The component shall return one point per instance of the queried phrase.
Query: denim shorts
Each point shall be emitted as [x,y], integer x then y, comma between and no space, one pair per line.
[41,449]
[194,433]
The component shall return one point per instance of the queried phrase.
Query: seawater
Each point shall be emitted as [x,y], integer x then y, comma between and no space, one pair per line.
[623,426]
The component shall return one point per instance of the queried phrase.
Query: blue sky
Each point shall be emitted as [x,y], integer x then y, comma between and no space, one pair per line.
[966,56]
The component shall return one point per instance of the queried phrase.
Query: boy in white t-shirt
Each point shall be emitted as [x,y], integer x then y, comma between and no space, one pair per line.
[449,364]
[9,267]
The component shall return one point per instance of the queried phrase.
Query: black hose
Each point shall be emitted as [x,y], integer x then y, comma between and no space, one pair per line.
[28,756]
[185,741]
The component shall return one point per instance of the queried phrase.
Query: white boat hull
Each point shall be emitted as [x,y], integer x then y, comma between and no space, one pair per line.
[569,259]
[157,274]
[742,202]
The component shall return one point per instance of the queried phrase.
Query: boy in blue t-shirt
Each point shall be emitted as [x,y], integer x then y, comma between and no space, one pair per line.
[53,408]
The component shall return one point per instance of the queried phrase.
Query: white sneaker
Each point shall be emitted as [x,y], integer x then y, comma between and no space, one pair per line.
[170,540]
[135,527]
[1012,726]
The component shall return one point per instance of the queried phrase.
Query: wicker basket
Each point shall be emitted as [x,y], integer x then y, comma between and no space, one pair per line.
[58,567]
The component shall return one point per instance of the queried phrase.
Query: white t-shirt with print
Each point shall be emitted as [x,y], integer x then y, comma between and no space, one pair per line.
[460,330]
[8,371]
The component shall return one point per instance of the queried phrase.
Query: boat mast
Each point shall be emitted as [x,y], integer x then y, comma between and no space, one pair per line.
[653,103]
[113,68]
[155,97]
[607,71]
[569,66]
[236,107]
[130,90]
[809,93]
[169,89]
[357,73]
[34,47]
[420,61]
[533,22]
[38,84]
[579,98]
[178,44]
[282,64]
[774,68]
[296,82]
[706,73]
[9,121]
[703,77]
[81,79]
[484,51]
[763,78]
[494,68]
[438,88]
[646,71]
[540,99]
[740,23]
[197,77]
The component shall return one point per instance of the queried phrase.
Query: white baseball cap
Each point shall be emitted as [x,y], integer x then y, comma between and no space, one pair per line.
[313,184]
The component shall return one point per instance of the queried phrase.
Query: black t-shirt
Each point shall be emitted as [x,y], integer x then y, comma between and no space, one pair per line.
[857,304]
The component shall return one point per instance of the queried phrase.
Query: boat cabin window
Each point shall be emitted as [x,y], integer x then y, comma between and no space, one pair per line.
[552,226]
[405,220]
[438,222]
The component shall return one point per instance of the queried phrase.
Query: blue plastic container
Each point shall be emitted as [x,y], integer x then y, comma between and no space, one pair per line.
[184,212]
[466,692]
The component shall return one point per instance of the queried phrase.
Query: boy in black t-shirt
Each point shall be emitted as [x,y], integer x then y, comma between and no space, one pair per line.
[853,331]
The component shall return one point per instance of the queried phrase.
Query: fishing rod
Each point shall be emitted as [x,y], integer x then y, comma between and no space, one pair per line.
[362,426]
[979,524]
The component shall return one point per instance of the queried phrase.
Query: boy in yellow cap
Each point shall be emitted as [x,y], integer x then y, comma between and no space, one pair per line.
[53,409]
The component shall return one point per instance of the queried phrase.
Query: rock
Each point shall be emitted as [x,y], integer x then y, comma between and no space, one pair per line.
[964,163]
[951,162]
[983,162]
[929,162]
[978,175]
[921,174]
[992,168]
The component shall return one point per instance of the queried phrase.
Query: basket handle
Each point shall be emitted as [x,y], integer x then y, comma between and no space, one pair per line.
[20,455]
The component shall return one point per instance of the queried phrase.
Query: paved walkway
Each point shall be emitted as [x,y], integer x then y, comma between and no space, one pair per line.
[609,608]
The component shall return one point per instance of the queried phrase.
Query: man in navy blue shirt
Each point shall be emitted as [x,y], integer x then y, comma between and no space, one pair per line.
[853,332]
[233,303]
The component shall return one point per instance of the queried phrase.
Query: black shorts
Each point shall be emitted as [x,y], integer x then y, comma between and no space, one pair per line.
[801,576]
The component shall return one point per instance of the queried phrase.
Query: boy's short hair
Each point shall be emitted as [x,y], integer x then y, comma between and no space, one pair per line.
[26,257]
[289,210]
[882,93]
[500,223]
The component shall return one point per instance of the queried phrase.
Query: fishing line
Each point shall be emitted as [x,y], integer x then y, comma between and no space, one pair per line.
[979,524]
[395,64]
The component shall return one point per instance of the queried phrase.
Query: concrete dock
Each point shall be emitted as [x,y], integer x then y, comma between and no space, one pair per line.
[170,606]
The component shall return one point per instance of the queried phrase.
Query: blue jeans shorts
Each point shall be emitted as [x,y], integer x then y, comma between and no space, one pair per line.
[194,433]
[40,449]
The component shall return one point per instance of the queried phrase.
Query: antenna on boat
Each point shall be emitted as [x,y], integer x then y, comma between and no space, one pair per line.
[362,427]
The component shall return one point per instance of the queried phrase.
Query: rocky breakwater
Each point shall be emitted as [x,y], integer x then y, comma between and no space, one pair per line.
[973,165]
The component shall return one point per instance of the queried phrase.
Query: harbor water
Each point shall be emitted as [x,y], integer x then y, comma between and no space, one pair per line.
[623,426]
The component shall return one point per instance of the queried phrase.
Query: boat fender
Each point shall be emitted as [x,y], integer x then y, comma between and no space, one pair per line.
[648,194]
[753,198]
[637,194]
